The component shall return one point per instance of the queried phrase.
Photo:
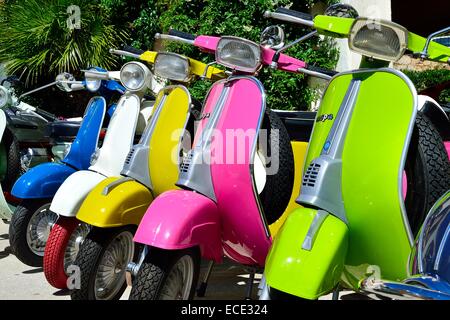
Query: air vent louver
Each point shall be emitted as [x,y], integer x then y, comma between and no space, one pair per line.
[310,177]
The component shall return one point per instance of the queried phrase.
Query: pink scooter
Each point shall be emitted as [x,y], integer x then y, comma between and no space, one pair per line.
[229,195]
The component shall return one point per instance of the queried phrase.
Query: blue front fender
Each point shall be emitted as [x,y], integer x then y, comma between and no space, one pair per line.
[41,181]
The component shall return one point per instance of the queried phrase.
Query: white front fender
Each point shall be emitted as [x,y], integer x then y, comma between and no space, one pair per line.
[73,191]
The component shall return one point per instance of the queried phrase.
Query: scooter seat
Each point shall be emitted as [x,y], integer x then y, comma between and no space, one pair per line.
[63,130]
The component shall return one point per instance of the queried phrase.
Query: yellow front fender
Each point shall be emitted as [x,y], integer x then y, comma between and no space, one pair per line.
[115,202]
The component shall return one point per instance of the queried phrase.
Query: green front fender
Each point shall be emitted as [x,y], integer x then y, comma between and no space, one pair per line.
[303,273]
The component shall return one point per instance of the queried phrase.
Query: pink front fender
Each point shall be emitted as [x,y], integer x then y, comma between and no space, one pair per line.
[181,219]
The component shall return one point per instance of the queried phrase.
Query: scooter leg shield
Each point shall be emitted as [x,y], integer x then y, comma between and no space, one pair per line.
[41,181]
[73,191]
[115,202]
[180,219]
[307,256]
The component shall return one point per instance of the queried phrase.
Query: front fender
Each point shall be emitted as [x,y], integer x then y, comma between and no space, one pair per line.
[180,219]
[73,191]
[115,202]
[41,181]
[307,273]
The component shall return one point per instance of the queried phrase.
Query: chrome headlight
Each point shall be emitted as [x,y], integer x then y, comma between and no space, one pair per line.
[172,66]
[238,54]
[378,39]
[5,97]
[93,84]
[135,76]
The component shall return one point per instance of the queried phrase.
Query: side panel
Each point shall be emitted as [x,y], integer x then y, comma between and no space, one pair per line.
[41,181]
[181,219]
[299,150]
[86,141]
[164,153]
[372,169]
[307,274]
[124,204]
[119,137]
[73,191]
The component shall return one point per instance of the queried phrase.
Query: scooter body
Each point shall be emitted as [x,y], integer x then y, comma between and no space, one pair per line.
[337,181]
[44,180]
[207,172]
[219,210]
[354,222]
[151,166]
[110,157]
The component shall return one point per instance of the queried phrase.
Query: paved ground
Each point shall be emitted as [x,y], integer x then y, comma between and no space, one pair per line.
[19,281]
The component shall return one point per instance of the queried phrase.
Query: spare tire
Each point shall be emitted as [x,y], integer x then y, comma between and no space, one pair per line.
[427,171]
[277,191]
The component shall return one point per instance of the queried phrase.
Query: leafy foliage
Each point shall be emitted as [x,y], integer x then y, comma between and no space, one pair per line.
[37,42]
[429,78]
[245,19]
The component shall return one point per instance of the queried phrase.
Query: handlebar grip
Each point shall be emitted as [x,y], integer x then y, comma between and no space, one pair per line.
[181,34]
[295,14]
[133,50]
[328,72]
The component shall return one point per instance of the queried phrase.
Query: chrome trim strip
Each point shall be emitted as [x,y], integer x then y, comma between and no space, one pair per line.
[114,184]
[317,222]
[425,223]
[441,249]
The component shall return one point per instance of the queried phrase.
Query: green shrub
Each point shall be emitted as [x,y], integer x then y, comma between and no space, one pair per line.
[243,19]
[429,78]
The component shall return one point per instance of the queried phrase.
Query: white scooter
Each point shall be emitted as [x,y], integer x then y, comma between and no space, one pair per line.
[129,120]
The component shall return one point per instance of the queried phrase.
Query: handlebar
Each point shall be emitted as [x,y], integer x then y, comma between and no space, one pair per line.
[318,72]
[127,51]
[176,36]
[289,15]
[181,34]
[96,74]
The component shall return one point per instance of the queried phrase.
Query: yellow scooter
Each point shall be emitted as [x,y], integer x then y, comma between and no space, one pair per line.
[115,206]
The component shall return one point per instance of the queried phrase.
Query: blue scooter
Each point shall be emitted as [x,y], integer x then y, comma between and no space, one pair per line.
[32,220]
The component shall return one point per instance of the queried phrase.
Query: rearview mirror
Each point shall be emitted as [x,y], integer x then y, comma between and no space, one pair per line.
[272,37]
[64,80]
[342,11]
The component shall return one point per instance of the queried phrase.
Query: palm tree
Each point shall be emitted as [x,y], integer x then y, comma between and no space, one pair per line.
[36,39]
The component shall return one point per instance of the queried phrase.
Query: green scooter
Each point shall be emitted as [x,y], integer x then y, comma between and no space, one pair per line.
[374,168]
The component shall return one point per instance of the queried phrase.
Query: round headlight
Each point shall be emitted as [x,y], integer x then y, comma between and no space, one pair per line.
[93,85]
[135,76]
[4,96]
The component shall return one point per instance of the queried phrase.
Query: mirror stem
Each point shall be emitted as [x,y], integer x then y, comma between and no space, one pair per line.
[37,89]
[276,56]
[424,53]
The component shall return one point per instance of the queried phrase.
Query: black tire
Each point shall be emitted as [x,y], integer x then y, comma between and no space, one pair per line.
[89,258]
[278,189]
[18,230]
[427,170]
[12,152]
[157,265]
